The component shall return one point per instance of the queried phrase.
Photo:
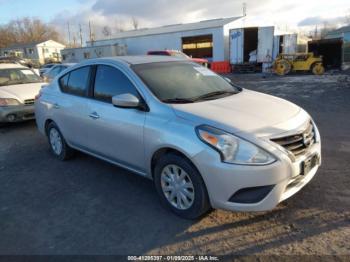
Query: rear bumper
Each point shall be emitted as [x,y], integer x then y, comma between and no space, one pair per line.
[16,113]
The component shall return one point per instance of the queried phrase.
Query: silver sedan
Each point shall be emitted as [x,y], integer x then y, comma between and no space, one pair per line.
[204,141]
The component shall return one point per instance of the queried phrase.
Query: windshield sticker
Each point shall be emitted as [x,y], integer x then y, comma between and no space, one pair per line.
[204,71]
[27,72]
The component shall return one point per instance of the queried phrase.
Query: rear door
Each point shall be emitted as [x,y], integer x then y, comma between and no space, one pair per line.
[116,133]
[70,107]
[265,44]
[236,46]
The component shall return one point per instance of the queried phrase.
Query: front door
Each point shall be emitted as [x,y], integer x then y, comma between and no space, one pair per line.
[116,133]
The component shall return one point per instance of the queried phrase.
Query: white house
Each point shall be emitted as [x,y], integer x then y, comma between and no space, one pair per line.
[37,51]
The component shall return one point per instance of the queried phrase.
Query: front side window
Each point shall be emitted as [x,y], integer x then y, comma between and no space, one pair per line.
[17,76]
[109,82]
[76,82]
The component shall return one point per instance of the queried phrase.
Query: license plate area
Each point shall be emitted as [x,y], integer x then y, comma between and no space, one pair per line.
[309,164]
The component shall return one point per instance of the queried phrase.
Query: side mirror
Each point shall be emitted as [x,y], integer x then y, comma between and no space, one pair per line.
[126,101]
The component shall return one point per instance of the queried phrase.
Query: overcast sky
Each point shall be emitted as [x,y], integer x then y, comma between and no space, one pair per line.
[118,13]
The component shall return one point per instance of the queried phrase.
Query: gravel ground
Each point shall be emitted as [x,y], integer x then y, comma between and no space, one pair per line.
[86,206]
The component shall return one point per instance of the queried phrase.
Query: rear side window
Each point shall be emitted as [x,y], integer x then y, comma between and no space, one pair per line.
[109,82]
[76,82]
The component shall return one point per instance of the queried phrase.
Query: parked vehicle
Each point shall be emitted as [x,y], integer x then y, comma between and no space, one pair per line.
[300,62]
[18,87]
[204,141]
[179,54]
[52,72]
[45,68]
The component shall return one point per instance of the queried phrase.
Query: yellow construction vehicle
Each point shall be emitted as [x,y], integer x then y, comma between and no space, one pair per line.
[286,63]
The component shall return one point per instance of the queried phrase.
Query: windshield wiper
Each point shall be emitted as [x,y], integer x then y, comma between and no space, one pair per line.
[177,100]
[213,94]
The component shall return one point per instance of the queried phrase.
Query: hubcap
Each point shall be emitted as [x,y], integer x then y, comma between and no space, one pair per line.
[55,141]
[177,187]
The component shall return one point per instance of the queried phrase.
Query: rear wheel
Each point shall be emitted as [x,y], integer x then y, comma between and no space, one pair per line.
[318,69]
[181,187]
[58,145]
[282,67]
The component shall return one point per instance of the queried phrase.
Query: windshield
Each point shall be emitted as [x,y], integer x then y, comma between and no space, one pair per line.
[183,82]
[16,76]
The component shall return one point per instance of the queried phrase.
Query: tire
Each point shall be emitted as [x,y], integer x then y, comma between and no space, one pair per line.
[58,145]
[199,203]
[317,69]
[282,67]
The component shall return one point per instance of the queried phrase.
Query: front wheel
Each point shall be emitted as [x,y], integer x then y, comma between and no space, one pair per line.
[181,187]
[282,67]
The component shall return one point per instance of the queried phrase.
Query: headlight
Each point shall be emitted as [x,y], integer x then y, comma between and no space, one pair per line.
[9,102]
[232,149]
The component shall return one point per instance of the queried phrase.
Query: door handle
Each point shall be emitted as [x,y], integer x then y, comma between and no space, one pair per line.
[56,106]
[94,115]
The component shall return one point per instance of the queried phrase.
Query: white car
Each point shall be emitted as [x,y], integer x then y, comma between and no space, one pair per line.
[45,68]
[18,87]
[54,71]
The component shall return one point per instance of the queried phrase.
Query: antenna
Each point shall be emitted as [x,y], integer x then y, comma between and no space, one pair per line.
[244,9]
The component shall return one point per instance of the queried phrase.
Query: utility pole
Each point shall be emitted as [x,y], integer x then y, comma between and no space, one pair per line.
[81,36]
[68,33]
[74,41]
[244,9]
[91,40]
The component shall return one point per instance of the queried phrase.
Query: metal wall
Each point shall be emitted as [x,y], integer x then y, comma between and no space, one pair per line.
[140,45]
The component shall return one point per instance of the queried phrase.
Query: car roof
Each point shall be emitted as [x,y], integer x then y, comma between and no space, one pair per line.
[5,66]
[134,60]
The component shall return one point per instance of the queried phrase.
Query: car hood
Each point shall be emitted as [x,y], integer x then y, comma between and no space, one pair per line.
[247,111]
[21,92]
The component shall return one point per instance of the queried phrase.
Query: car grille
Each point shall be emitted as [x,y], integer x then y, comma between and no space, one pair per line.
[29,102]
[299,143]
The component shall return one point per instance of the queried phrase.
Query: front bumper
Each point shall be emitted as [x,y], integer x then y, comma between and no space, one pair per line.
[282,179]
[16,113]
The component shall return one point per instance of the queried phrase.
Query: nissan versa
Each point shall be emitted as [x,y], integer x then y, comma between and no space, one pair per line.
[204,141]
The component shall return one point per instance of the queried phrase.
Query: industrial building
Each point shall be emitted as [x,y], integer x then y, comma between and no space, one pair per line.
[206,39]
[76,55]
[334,48]
[225,39]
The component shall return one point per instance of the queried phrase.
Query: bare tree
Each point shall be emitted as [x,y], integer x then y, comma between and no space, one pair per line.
[347,18]
[119,25]
[106,31]
[27,30]
[327,27]
[135,23]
